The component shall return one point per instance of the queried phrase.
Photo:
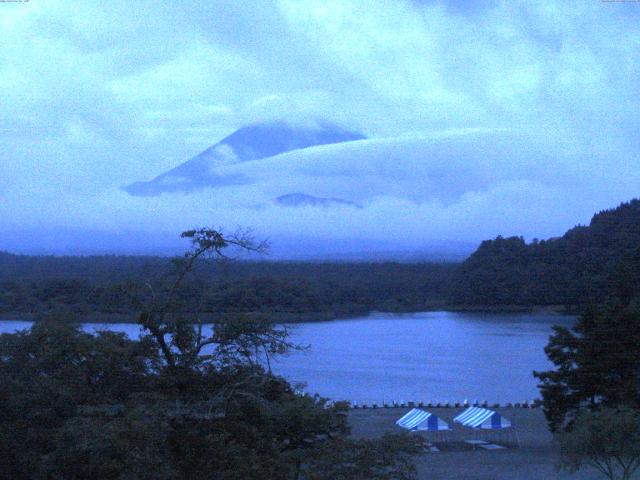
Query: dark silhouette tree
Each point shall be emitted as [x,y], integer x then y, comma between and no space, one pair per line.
[597,363]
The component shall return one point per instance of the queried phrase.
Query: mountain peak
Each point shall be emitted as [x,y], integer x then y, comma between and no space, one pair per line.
[252,142]
[267,139]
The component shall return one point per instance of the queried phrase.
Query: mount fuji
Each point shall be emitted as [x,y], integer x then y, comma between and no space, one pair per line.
[253,142]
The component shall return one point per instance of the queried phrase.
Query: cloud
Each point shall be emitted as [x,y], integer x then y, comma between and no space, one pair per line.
[468,186]
[97,96]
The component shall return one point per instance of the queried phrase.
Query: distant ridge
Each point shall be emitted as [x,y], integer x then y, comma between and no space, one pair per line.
[253,142]
[304,200]
[587,265]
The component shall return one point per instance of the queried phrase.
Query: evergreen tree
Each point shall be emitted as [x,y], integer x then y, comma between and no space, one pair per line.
[597,364]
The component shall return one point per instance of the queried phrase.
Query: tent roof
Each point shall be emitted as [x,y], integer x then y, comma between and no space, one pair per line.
[478,417]
[417,419]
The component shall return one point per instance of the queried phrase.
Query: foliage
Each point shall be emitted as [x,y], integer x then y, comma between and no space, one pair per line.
[48,374]
[181,402]
[586,266]
[597,362]
[99,287]
[607,439]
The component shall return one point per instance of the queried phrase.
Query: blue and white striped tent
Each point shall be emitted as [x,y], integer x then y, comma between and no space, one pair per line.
[478,417]
[417,419]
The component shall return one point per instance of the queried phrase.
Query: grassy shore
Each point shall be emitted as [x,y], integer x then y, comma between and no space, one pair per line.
[536,458]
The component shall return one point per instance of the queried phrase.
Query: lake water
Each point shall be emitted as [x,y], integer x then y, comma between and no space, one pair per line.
[431,356]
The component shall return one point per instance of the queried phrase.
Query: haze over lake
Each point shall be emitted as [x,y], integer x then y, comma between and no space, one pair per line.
[430,356]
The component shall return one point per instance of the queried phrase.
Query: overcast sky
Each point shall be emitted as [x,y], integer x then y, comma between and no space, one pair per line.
[96,95]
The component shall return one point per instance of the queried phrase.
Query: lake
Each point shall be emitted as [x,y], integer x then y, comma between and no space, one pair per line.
[430,356]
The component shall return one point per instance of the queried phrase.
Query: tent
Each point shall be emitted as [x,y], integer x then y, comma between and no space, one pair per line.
[478,417]
[417,419]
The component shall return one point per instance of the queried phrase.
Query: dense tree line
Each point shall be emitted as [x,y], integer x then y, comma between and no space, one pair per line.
[98,287]
[580,268]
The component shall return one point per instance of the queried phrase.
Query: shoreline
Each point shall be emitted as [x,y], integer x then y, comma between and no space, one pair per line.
[310,317]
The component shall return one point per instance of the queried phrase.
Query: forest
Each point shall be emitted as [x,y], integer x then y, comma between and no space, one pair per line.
[582,267]
[99,287]
[586,266]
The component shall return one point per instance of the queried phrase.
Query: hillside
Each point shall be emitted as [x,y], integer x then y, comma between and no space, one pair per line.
[587,265]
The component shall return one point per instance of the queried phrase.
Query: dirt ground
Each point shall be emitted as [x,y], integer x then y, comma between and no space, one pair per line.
[534,459]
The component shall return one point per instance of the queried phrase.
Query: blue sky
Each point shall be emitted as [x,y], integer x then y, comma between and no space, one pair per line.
[96,95]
